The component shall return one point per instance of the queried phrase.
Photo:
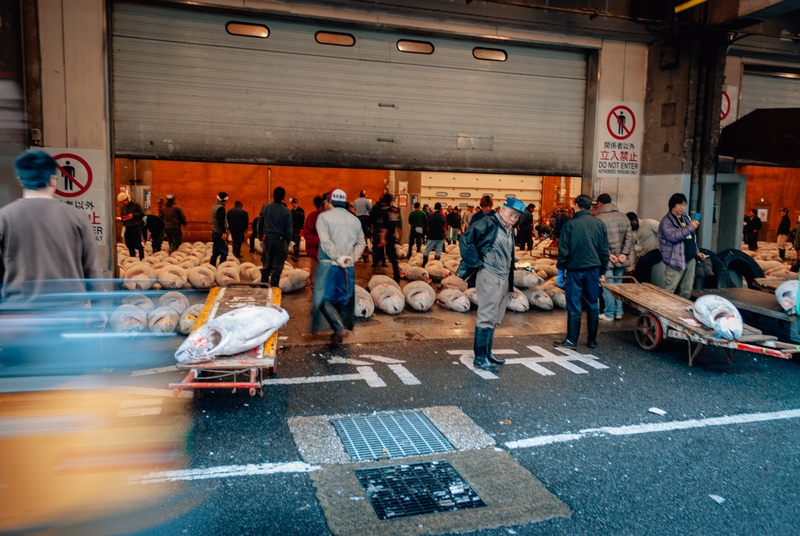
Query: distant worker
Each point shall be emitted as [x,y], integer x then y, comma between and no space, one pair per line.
[417,221]
[453,225]
[132,217]
[155,226]
[276,234]
[582,258]
[784,228]
[174,218]
[436,234]
[486,208]
[311,237]
[751,229]
[466,216]
[487,256]
[645,247]
[341,242]
[386,222]
[219,230]
[620,246]
[238,220]
[678,244]
[525,228]
[43,239]
[298,220]
[363,206]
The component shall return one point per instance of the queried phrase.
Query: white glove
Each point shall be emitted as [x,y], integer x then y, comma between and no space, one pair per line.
[291,245]
[344,261]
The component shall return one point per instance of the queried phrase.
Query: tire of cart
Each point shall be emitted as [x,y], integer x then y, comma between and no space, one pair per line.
[648,331]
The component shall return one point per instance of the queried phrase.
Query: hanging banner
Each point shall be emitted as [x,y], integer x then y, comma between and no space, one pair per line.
[619,139]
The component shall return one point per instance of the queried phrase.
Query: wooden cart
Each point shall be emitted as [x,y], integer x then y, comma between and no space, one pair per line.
[242,371]
[666,315]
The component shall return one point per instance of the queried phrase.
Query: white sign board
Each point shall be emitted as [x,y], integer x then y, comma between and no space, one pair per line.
[83,184]
[619,139]
[729,107]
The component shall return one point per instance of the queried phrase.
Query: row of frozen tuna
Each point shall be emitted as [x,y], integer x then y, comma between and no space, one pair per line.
[386,295]
[172,313]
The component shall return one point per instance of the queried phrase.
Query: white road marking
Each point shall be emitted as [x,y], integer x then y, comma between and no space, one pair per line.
[364,373]
[139,412]
[405,376]
[467,357]
[141,402]
[226,471]
[381,359]
[533,363]
[335,360]
[153,371]
[647,428]
[371,377]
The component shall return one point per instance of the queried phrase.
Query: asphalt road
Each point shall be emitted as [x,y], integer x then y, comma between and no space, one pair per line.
[689,471]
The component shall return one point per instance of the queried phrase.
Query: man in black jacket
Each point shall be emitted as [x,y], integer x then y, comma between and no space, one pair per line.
[751,228]
[487,254]
[525,228]
[298,221]
[276,233]
[219,230]
[155,226]
[784,228]
[238,219]
[582,254]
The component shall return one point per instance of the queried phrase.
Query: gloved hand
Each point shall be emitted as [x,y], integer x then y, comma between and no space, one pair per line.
[291,245]
[561,281]
[344,261]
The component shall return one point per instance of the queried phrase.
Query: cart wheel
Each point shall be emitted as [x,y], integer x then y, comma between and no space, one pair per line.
[648,331]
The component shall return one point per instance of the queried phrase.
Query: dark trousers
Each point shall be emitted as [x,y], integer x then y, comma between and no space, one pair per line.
[378,252]
[220,249]
[751,239]
[237,237]
[158,238]
[272,259]
[391,252]
[582,289]
[174,238]
[644,266]
[525,239]
[133,239]
[415,237]
[252,242]
[296,240]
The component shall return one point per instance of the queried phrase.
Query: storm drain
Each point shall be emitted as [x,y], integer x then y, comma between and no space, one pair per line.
[415,489]
[393,435]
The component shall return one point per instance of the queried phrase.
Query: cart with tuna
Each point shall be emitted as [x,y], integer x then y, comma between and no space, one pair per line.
[667,316]
[246,370]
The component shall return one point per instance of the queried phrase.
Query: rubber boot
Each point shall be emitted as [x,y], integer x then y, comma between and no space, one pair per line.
[424,260]
[573,330]
[592,321]
[782,253]
[489,355]
[481,347]
[331,314]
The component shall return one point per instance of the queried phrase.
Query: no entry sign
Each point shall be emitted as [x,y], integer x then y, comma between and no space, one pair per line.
[619,139]
[76,175]
[621,123]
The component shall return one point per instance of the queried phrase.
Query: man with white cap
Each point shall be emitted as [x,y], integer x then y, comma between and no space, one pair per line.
[219,230]
[341,242]
[132,217]
[487,255]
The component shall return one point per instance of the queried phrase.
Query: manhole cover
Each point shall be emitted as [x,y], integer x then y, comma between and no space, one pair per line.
[392,435]
[415,489]
[418,320]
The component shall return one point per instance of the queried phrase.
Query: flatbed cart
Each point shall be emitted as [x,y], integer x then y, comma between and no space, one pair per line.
[667,315]
[760,309]
[242,371]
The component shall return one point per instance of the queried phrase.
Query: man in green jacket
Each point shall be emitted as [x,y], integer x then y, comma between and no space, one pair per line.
[582,254]
[418,221]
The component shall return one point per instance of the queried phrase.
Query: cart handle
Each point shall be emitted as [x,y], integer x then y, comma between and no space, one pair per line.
[629,278]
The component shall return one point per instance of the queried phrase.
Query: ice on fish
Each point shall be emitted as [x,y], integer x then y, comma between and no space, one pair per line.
[419,295]
[231,333]
[376,280]
[787,296]
[720,315]
[128,319]
[387,298]
[539,299]
[364,305]
[293,280]
[519,304]
[454,299]
[163,320]
[188,319]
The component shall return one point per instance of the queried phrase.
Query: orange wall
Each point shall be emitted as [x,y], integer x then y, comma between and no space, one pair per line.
[196,184]
[778,187]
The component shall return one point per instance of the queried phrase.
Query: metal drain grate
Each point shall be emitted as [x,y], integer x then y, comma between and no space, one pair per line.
[416,489]
[393,435]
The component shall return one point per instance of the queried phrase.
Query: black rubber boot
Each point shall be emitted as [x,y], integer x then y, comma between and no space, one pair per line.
[782,253]
[334,318]
[489,355]
[424,260]
[592,321]
[481,347]
[573,330]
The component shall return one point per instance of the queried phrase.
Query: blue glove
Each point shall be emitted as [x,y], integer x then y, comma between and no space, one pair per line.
[561,281]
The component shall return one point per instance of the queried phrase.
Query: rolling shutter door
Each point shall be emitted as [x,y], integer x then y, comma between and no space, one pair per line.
[761,90]
[184,88]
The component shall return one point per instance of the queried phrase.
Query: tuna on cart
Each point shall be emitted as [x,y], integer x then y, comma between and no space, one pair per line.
[668,316]
[252,351]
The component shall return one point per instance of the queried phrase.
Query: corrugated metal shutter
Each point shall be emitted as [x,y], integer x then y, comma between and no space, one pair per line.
[186,89]
[761,90]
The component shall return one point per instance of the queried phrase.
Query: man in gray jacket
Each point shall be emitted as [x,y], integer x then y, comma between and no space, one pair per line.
[620,246]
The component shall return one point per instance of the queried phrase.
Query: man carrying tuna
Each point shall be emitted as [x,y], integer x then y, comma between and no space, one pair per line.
[341,242]
[487,254]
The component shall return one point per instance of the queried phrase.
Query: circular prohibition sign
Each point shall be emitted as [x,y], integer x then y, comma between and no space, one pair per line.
[82,188]
[725,108]
[620,124]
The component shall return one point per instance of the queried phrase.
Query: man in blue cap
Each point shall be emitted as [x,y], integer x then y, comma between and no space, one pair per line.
[487,257]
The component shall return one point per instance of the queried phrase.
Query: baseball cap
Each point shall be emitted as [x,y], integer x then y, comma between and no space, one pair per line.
[339,198]
[516,204]
[222,196]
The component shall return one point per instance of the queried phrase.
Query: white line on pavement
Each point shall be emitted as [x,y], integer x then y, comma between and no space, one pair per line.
[364,373]
[743,418]
[382,359]
[405,376]
[226,471]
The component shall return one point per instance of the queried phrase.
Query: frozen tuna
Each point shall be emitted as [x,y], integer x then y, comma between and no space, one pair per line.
[437,273]
[188,319]
[472,294]
[417,273]
[454,299]
[293,280]
[227,274]
[720,315]
[526,279]
[519,304]
[454,282]
[139,276]
[419,295]
[387,298]
[201,276]
[128,319]
[233,332]
[139,300]
[557,295]
[163,320]
[174,300]
[539,299]
[787,296]
[376,280]
[364,305]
